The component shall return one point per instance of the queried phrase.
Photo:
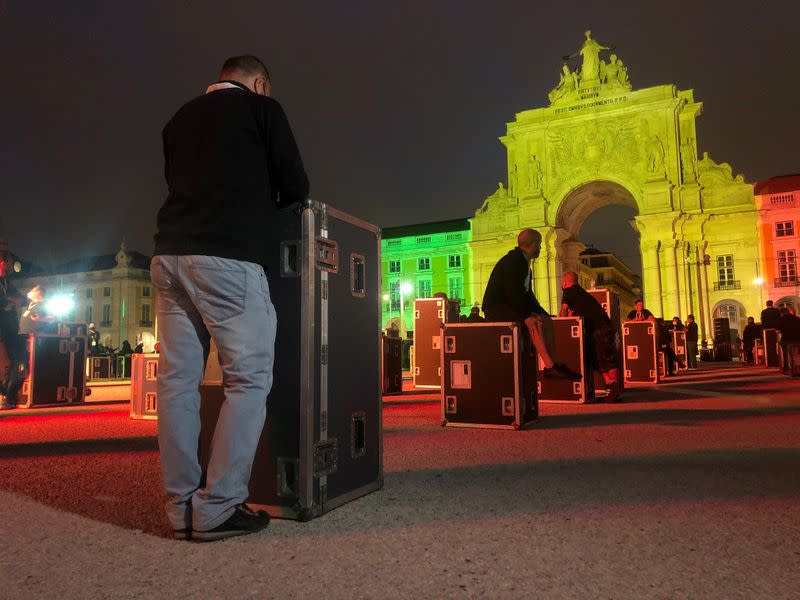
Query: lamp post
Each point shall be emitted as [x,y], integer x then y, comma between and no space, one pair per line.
[405,288]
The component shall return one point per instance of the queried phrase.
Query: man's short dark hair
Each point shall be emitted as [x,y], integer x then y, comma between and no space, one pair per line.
[769,302]
[248,65]
[638,300]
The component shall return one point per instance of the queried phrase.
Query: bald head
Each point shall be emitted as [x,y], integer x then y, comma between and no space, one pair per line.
[530,242]
[569,279]
[249,71]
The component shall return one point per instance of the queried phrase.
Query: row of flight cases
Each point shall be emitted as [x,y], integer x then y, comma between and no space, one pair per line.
[491,376]
[322,443]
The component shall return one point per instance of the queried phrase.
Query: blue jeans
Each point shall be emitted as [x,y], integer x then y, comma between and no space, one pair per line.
[201,298]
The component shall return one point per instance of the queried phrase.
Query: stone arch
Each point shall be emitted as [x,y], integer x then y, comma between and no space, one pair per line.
[734,311]
[583,198]
[792,301]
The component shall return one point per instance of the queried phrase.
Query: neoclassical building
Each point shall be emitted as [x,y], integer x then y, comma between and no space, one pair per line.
[601,142]
[111,290]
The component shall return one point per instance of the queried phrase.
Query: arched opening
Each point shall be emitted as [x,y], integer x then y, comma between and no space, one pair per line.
[735,313]
[602,242]
[789,302]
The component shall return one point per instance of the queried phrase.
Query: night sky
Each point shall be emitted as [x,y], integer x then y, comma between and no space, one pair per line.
[396,106]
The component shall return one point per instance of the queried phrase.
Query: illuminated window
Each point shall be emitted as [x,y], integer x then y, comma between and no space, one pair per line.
[424,288]
[88,314]
[455,287]
[725,268]
[106,292]
[454,261]
[787,265]
[423,264]
[145,315]
[106,315]
[784,229]
[394,266]
[89,292]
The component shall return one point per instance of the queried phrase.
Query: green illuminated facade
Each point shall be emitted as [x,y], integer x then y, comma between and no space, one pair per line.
[601,142]
[431,258]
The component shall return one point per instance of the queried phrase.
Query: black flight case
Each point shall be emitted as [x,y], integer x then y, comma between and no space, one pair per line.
[322,444]
[640,352]
[57,374]
[489,376]
[392,371]
[429,314]
[569,335]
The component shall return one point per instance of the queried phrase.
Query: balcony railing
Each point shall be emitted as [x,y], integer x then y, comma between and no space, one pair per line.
[723,286]
[787,281]
[145,323]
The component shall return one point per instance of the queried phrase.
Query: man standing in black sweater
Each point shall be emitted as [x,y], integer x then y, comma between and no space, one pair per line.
[770,317]
[230,162]
[509,297]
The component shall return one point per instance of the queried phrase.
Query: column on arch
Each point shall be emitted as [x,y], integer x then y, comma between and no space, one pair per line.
[651,277]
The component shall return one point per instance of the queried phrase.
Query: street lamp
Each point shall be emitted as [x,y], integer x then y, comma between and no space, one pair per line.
[405,288]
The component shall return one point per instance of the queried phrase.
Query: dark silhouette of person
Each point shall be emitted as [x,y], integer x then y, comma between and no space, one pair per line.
[13,355]
[691,341]
[770,317]
[752,332]
[126,349]
[640,313]
[600,339]
[474,316]
[789,326]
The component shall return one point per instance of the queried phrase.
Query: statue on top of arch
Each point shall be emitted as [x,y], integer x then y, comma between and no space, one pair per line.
[593,71]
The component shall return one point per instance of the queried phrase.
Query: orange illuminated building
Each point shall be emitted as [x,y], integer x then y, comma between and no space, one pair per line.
[778,204]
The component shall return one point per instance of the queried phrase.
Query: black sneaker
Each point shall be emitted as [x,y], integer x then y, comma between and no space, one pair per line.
[613,393]
[241,522]
[559,371]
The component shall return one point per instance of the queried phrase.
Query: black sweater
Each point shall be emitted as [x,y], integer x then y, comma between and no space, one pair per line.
[230,161]
[508,293]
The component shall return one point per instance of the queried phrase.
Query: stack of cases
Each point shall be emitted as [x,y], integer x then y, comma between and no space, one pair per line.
[610,303]
[99,367]
[392,372]
[144,379]
[640,352]
[569,334]
[679,346]
[722,339]
[322,442]
[489,376]
[429,314]
[771,347]
[57,371]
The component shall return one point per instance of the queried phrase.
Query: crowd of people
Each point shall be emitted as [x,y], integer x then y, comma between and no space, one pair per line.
[783,320]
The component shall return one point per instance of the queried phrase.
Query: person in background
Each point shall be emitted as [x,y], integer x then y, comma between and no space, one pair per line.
[474,315]
[35,318]
[752,332]
[790,334]
[770,317]
[691,341]
[94,339]
[12,346]
[640,313]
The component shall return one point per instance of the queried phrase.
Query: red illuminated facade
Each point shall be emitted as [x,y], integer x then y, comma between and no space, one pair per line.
[778,204]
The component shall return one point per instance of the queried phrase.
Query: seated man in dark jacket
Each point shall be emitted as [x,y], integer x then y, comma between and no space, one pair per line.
[600,339]
[509,297]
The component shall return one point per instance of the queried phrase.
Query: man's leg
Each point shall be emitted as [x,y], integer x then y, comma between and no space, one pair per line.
[691,348]
[183,340]
[233,297]
[540,328]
